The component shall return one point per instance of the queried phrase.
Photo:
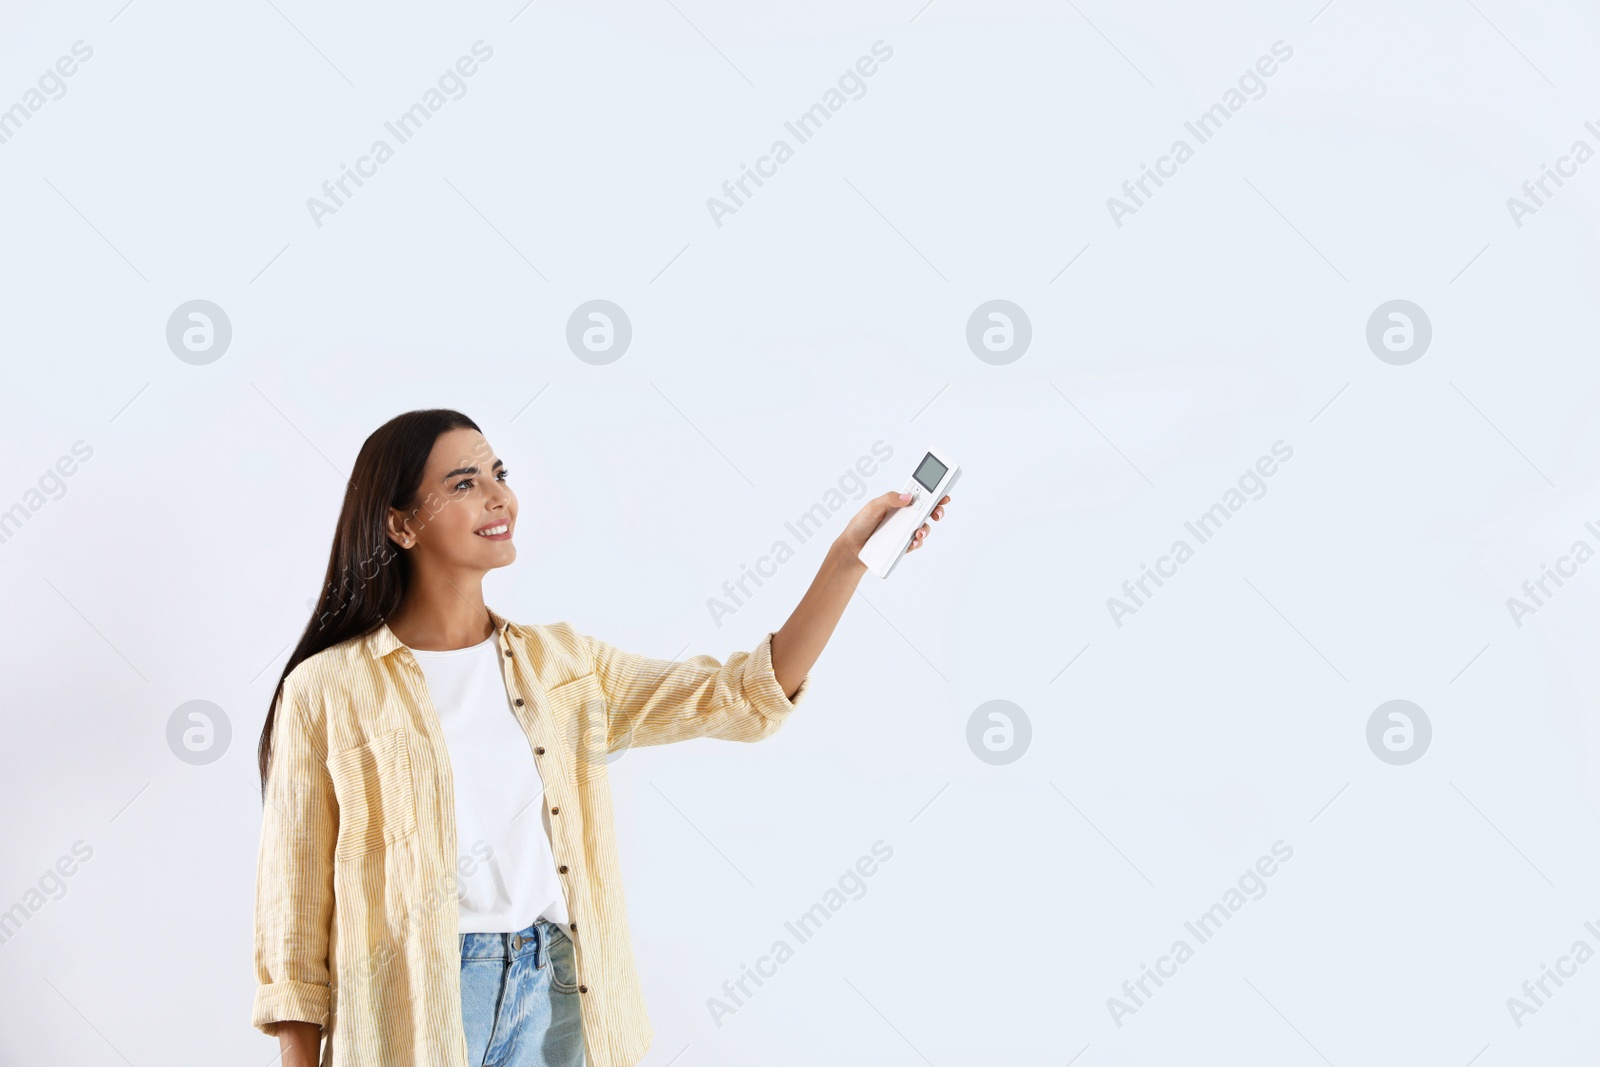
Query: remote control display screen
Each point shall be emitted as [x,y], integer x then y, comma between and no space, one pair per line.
[930,472]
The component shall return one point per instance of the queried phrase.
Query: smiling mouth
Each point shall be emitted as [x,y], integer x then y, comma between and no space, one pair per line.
[494,531]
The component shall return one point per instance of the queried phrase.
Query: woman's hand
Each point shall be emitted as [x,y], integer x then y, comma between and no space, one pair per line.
[858,529]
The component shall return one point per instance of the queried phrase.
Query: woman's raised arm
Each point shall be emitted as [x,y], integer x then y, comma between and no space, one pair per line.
[799,642]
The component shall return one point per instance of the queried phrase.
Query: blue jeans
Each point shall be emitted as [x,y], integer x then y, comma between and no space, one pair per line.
[519,998]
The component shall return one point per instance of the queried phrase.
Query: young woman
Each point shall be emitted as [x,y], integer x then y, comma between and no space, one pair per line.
[410,905]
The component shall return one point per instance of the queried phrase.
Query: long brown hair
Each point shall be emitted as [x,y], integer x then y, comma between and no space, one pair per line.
[367,574]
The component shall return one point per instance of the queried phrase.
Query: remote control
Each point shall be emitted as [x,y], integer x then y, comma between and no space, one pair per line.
[927,485]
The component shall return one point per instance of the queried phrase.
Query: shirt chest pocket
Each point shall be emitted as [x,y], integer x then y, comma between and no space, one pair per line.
[579,706]
[377,800]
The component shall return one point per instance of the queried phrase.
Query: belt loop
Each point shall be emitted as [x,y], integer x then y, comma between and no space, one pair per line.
[542,941]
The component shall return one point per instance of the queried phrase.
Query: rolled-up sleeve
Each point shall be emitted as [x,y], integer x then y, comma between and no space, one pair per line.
[294,875]
[658,701]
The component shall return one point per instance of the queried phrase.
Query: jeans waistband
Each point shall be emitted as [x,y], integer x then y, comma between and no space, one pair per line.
[532,940]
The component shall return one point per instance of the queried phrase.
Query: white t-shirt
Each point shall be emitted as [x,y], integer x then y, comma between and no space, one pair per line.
[506,870]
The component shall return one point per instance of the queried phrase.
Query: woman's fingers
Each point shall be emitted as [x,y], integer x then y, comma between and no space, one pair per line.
[921,535]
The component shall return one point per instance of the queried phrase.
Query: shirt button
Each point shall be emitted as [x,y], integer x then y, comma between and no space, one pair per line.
[519,702]
[508,653]
[583,989]
[555,811]
[539,751]
[563,868]
[573,927]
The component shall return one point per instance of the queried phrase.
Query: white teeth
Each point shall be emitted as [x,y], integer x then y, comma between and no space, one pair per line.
[494,530]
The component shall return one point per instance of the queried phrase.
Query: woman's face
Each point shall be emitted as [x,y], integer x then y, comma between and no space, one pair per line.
[465,513]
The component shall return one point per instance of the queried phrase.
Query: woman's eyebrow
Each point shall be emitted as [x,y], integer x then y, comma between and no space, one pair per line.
[471,470]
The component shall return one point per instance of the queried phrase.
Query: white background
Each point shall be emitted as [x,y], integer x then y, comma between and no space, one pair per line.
[769,354]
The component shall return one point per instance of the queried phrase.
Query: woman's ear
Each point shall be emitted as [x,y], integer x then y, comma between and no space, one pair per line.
[395,528]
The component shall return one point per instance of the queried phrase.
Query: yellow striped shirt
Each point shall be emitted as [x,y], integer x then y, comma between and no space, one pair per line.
[356,921]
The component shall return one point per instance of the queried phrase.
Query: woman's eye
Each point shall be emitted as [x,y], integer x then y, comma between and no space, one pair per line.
[499,477]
